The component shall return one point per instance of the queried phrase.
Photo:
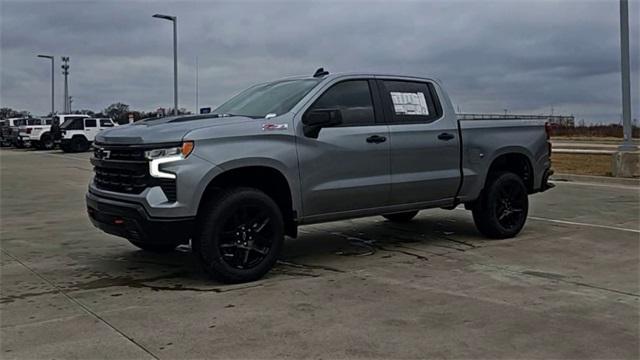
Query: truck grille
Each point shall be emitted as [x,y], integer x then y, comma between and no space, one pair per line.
[125,170]
[130,181]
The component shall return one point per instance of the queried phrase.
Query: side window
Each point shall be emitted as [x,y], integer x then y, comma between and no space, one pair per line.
[90,123]
[353,98]
[410,102]
[105,123]
[47,122]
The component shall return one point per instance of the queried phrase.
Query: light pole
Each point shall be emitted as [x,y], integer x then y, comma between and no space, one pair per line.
[65,72]
[175,58]
[197,110]
[52,82]
[627,144]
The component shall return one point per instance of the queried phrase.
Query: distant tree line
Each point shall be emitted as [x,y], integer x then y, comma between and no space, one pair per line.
[596,130]
[119,112]
[8,113]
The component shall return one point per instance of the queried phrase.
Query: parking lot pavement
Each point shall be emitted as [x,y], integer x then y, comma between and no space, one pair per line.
[567,287]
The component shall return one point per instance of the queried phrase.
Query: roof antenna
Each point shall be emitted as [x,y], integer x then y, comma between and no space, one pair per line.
[320,73]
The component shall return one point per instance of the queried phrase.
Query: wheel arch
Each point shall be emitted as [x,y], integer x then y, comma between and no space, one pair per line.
[516,160]
[266,178]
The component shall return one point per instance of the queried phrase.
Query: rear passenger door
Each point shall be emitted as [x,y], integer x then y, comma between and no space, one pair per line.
[346,168]
[90,128]
[424,144]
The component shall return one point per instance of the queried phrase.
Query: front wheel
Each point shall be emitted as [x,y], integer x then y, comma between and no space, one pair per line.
[240,235]
[501,211]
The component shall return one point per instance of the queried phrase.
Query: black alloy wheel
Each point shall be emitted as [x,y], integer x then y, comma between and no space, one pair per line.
[502,209]
[510,205]
[246,236]
[240,235]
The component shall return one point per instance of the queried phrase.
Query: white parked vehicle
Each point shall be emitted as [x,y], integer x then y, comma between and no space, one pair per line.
[78,134]
[43,136]
[23,139]
[9,130]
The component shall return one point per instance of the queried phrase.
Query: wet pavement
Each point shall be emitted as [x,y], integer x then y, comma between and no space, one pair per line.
[567,287]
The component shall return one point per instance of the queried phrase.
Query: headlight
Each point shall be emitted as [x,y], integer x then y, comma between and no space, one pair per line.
[166,155]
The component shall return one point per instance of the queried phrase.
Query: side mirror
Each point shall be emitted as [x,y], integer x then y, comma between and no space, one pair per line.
[317,119]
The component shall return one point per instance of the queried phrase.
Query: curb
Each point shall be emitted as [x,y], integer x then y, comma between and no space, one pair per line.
[596,179]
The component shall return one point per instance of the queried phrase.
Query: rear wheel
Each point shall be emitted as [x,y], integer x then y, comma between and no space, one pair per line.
[240,235]
[401,216]
[46,142]
[156,248]
[501,211]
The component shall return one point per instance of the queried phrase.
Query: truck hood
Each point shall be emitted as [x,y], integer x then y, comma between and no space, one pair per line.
[163,130]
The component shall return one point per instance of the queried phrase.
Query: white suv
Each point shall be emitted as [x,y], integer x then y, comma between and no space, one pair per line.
[78,134]
[43,136]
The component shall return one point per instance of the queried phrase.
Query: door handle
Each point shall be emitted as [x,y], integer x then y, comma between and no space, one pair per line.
[445,136]
[376,139]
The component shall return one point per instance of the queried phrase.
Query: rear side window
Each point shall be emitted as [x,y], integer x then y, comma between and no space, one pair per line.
[72,124]
[90,123]
[105,123]
[352,98]
[410,102]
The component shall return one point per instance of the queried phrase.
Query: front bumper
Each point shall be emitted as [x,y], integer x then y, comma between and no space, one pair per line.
[131,221]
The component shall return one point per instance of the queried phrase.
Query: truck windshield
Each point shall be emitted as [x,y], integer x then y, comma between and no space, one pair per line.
[276,97]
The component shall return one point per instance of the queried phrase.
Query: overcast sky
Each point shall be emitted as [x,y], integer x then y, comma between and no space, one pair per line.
[524,56]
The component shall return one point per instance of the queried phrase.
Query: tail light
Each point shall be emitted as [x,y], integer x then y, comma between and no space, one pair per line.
[29,130]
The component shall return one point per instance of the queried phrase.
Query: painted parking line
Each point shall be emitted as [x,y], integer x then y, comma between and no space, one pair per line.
[583,224]
[579,183]
[566,222]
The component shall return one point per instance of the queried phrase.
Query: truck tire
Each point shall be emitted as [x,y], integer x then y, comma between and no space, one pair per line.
[240,235]
[401,216]
[78,144]
[501,211]
[155,248]
[46,142]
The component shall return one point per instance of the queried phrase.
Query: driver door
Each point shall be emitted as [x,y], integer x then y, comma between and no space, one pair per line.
[346,168]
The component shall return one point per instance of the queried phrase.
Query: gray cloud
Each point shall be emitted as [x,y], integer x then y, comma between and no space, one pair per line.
[525,56]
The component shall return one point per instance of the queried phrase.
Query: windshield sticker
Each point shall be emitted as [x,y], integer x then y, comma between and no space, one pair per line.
[405,103]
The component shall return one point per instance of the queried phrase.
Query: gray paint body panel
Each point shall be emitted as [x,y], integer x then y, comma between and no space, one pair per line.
[338,175]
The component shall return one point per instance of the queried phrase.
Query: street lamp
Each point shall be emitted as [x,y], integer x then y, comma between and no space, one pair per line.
[52,82]
[627,144]
[175,58]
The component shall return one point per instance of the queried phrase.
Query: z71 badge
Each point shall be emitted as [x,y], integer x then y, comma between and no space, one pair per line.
[269,127]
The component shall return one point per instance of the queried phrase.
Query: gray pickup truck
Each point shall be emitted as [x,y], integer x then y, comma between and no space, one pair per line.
[307,150]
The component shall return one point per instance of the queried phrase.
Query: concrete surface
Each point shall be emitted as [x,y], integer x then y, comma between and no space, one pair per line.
[567,287]
[626,164]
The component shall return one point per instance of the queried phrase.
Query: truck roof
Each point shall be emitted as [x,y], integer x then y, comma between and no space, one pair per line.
[363,74]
